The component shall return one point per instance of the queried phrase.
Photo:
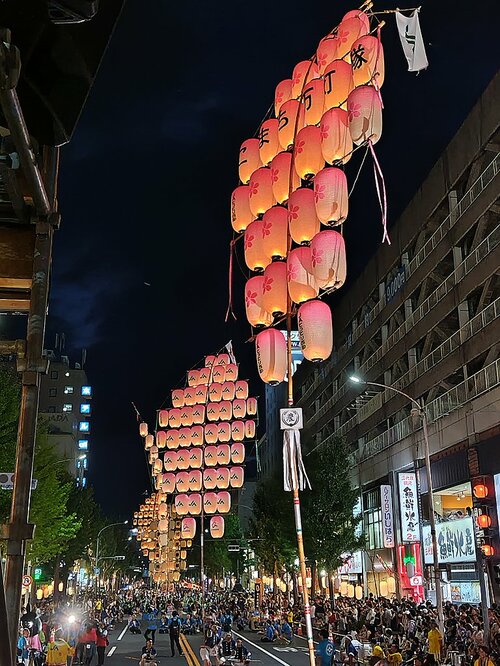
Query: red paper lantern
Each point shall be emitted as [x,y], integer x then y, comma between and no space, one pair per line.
[168,483]
[189,396]
[241,389]
[161,439]
[336,141]
[488,550]
[239,409]
[328,259]
[204,378]
[291,121]
[178,398]
[302,219]
[223,502]
[185,437]
[194,504]
[210,479]
[339,82]
[254,306]
[215,392]
[331,196]
[480,490]
[193,378]
[238,428]
[228,390]
[216,527]
[364,109]
[223,432]
[170,461]
[183,458]
[172,439]
[181,504]
[210,360]
[351,27]
[236,477]
[213,411]
[314,101]
[308,156]
[249,159]
[174,418]
[270,349]
[303,72]
[187,416]
[210,456]
[218,373]
[210,502]
[252,406]
[163,417]
[250,429]
[326,52]
[223,454]
[269,144]
[365,21]
[274,288]
[284,178]
[182,482]
[223,359]
[199,414]
[197,435]
[274,232]
[367,59]
[301,283]
[194,458]
[261,191]
[226,410]
[222,477]
[282,94]
[255,257]
[483,521]
[200,394]
[314,321]
[211,430]
[188,528]
[241,215]
[231,372]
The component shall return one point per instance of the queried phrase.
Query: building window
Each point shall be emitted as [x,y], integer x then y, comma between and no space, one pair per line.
[83,444]
[84,426]
[373,519]
[87,391]
[85,408]
[68,390]
[67,407]
[54,374]
[52,409]
[52,393]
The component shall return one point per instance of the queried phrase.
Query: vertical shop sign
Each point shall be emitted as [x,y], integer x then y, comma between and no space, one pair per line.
[408,502]
[387,516]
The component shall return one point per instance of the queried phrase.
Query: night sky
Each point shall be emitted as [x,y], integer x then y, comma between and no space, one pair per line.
[146,181]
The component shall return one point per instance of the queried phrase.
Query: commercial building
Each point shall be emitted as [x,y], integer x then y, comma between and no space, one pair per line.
[66,409]
[424,318]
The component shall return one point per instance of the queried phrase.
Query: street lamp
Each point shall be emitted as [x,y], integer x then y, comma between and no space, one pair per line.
[419,410]
[125,522]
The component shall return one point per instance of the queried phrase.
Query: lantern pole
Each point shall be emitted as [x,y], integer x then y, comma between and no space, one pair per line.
[202,561]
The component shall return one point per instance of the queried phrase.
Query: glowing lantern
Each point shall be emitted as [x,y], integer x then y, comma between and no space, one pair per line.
[223,359]
[291,121]
[185,437]
[222,477]
[255,257]
[228,390]
[161,439]
[223,454]
[241,215]
[158,466]
[163,417]
[231,372]
[188,529]
[314,101]
[199,414]
[303,72]
[143,429]
[252,406]
[181,504]
[223,432]
[249,159]
[182,482]
[204,376]
[174,418]
[149,441]
[213,411]
[210,456]
[211,430]
[241,389]
[364,109]
[483,521]
[274,288]
[274,232]
[261,191]
[183,458]
[384,591]
[330,196]
[329,259]
[170,461]
[189,397]
[209,479]
[236,477]
[367,59]
[178,397]
[351,27]
[249,430]
[217,527]
[336,140]
[238,430]
[210,502]
[302,219]
[270,349]
[218,373]
[195,480]
[186,416]
[338,84]
[365,21]
[254,307]
[269,143]
[168,483]
[215,391]
[480,490]
[301,283]
[194,504]
[239,410]
[172,439]
[350,590]
[284,179]
[200,394]
[488,550]
[193,377]
[210,360]
[282,94]
[162,508]
[314,321]
[326,52]
[223,502]
[391,585]
[308,156]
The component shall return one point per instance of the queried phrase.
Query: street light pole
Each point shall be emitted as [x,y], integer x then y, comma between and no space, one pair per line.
[419,410]
[97,549]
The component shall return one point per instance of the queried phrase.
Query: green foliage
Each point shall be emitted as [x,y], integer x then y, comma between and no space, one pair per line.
[217,556]
[81,501]
[9,415]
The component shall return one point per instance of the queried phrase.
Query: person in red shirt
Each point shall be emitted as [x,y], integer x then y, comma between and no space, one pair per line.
[102,643]
[86,645]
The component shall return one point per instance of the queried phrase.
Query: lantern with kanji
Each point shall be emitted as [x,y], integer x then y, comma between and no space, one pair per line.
[223,502]
[367,59]
[236,477]
[188,528]
[282,94]
[216,527]
[303,72]
[269,143]
[241,215]
[291,120]
[339,82]
[249,159]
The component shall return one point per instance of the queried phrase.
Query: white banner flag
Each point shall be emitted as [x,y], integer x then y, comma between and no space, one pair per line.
[411,41]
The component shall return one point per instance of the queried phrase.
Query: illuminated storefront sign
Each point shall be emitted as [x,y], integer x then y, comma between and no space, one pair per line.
[387,516]
[455,541]
[408,503]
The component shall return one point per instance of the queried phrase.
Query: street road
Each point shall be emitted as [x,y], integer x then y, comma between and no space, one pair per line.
[125,648]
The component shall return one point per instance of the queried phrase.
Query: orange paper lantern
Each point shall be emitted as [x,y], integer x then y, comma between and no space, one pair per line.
[197,435]
[284,178]
[236,477]
[231,372]
[241,389]
[163,417]
[185,437]
[339,82]
[301,283]
[223,432]
[189,397]
[255,256]
[174,418]
[239,409]
[195,480]
[249,429]
[252,406]
[364,109]
[222,477]
[367,59]
[314,101]
[282,94]
[331,196]
[274,288]
[183,458]
[326,52]
[168,483]
[200,394]
[210,456]
[195,458]
[226,410]
[223,502]
[254,306]
[329,259]
[170,461]
[249,159]
[351,27]
[274,232]
[302,219]
[270,349]
[149,441]
[314,321]
[198,414]
[187,416]
[181,504]
[178,398]
[336,141]
[215,392]
[216,527]
[303,72]
[218,373]
[238,428]
[223,359]
[210,360]
[172,439]
[213,411]
[210,502]
[228,390]
[161,439]
[241,215]
[194,504]
[211,430]
[269,143]
[188,528]
[193,378]
[210,479]
[261,191]
[223,454]
[182,482]
[308,156]
[291,121]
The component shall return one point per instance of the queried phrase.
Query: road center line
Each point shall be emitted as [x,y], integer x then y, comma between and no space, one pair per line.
[122,634]
[111,652]
[244,638]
